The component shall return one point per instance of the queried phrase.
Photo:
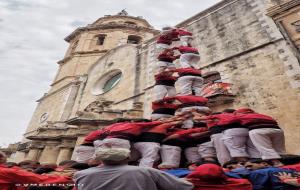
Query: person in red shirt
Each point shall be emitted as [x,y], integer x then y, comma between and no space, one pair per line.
[121,135]
[190,81]
[236,139]
[164,85]
[216,124]
[165,60]
[265,134]
[163,109]
[189,56]
[148,142]
[167,36]
[185,37]
[19,179]
[212,177]
[189,104]
[189,140]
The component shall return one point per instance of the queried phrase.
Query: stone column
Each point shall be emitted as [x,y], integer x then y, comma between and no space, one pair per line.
[33,154]
[65,153]
[66,149]
[50,153]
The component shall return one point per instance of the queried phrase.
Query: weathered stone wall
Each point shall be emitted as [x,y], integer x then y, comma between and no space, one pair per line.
[237,39]
[246,47]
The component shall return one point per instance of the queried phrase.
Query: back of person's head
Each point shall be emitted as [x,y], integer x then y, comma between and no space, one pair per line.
[290,159]
[121,120]
[67,163]
[231,162]
[257,163]
[29,165]
[113,156]
[229,110]
[141,120]
[11,164]
[43,170]
[80,166]
[3,157]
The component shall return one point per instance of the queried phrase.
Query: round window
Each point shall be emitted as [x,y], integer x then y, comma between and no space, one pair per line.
[112,82]
[107,82]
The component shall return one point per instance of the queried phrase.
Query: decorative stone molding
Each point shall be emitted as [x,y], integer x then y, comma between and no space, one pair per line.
[98,106]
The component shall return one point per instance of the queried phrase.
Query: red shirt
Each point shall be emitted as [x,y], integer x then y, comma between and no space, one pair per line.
[223,119]
[182,32]
[189,99]
[167,56]
[100,134]
[168,37]
[254,118]
[163,77]
[187,49]
[293,167]
[133,129]
[10,177]
[187,71]
[158,105]
[188,133]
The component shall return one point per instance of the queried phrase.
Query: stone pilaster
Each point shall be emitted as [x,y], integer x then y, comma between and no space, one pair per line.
[50,153]
[64,154]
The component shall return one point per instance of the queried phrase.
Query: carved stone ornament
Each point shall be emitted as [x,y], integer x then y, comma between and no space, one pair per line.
[297,25]
[98,106]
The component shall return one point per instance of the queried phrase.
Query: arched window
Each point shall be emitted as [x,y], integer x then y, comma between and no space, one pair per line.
[100,39]
[132,39]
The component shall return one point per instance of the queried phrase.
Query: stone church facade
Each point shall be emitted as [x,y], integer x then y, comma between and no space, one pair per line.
[107,73]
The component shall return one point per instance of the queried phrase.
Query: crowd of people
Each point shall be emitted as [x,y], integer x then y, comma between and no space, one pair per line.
[184,146]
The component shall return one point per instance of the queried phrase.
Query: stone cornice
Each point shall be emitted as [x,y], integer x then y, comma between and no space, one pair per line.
[83,121]
[278,9]
[74,54]
[109,26]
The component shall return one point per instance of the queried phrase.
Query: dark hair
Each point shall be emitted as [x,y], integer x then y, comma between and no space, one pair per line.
[121,120]
[229,110]
[28,162]
[259,160]
[80,166]
[87,144]
[67,162]
[215,113]
[42,170]
[229,163]
[290,159]
[141,120]
[207,162]
[11,164]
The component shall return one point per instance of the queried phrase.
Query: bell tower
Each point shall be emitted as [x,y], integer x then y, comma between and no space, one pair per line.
[48,138]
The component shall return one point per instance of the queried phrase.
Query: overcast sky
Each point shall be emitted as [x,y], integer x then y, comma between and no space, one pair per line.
[31,42]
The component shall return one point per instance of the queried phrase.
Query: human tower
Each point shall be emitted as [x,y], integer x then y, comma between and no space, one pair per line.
[183,130]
